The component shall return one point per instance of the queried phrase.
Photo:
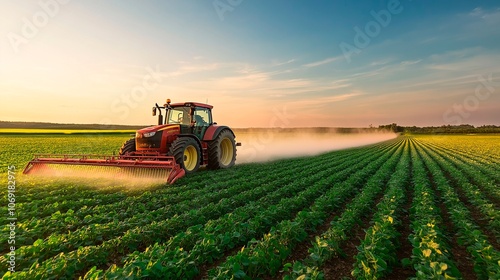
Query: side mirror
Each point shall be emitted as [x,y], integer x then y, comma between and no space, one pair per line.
[154,111]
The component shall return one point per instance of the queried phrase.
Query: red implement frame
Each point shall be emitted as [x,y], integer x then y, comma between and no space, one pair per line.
[149,166]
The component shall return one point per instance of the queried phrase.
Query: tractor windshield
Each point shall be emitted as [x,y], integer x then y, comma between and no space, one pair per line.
[178,115]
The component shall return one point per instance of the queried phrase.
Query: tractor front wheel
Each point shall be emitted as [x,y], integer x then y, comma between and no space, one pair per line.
[222,151]
[127,147]
[186,152]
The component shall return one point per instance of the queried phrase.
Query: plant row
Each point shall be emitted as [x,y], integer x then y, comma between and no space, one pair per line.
[329,243]
[266,256]
[473,193]
[95,234]
[486,259]
[69,263]
[124,214]
[377,251]
[204,244]
[431,255]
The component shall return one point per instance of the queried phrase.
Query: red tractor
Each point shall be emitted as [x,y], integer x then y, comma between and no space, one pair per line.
[185,138]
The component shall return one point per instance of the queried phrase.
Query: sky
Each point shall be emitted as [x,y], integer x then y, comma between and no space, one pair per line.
[260,63]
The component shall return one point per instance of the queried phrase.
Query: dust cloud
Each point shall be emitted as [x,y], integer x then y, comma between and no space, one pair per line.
[267,144]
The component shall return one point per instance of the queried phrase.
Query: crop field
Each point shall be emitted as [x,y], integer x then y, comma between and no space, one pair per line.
[423,207]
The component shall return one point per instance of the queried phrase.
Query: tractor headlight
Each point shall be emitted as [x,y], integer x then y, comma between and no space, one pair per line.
[149,134]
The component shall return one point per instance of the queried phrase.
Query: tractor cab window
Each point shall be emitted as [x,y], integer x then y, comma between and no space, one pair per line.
[202,117]
[179,115]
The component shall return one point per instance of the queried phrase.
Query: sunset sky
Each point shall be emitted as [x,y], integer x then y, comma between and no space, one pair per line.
[261,63]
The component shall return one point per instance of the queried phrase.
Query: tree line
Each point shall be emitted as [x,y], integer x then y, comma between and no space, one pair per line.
[444,129]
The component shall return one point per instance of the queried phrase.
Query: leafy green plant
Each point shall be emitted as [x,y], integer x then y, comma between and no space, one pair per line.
[66,229]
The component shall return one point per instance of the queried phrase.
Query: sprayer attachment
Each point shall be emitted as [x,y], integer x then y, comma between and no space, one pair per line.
[147,168]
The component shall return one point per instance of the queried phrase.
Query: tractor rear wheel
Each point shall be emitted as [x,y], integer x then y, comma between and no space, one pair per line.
[186,152]
[222,151]
[127,147]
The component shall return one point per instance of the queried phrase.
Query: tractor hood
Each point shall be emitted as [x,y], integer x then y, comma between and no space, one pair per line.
[152,130]
[156,138]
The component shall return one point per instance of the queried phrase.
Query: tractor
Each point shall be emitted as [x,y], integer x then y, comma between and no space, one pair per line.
[185,138]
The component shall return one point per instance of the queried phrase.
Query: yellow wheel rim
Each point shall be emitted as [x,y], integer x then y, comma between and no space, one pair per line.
[190,158]
[226,151]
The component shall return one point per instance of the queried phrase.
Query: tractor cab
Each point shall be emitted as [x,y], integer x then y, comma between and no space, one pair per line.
[193,118]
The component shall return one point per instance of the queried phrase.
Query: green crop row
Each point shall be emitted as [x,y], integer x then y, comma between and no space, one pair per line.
[485,257]
[478,150]
[482,177]
[202,244]
[431,254]
[38,209]
[65,265]
[103,213]
[377,252]
[329,243]
[484,172]
[472,192]
[267,255]
[89,235]
[180,256]
[68,264]
[131,212]
[194,228]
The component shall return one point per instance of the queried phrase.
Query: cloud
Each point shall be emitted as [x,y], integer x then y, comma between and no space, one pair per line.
[470,62]
[338,98]
[456,54]
[323,100]
[379,62]
[278,63]
[249,81]
[410,62]
[477,12]
[265,85]
[482,21]
[485,14]
[446,81]
[322,62]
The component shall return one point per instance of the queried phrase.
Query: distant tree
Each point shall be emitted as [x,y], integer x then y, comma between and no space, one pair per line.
[453,129]
[392,127]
